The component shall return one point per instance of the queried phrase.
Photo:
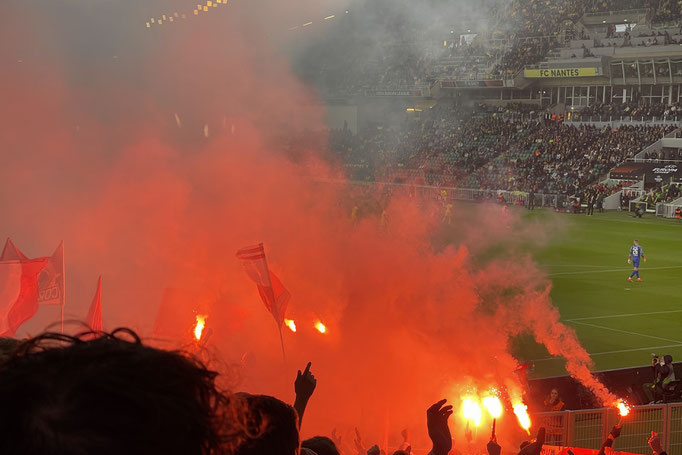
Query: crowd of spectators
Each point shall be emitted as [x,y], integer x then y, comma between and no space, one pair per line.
[495,152]
[398,51]
[664,154]
[109,393]
[665,11]
[637,110]
[661,194]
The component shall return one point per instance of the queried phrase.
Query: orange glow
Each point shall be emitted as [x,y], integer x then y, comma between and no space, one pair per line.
[320,327]
[521,411]
[291,324]
[471,410]
[199,326]
[623,407]
[493,405]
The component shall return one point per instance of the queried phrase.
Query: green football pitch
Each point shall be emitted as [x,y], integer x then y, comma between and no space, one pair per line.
[619,323]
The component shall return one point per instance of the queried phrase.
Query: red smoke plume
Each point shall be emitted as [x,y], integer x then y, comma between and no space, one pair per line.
[111,155]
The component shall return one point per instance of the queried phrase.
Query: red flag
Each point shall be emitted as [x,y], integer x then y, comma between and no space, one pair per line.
[11,253]
[272,292]
[51,279]
[94,319]
[18,293]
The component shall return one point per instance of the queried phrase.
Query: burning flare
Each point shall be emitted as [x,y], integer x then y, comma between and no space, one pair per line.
[623,407]
[291,324]
[320,327]
[493,405]
[199,326]
[521,411]
[471,410]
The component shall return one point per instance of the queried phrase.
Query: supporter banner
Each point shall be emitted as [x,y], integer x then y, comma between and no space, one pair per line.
[493,83]
[557,450]
[654,172]
[465,84]
[560,72]
[410,92]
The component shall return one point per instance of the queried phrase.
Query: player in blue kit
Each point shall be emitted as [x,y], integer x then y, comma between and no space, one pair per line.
[635,254]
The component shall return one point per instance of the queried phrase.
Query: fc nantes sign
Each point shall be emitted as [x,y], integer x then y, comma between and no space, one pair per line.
[560,72]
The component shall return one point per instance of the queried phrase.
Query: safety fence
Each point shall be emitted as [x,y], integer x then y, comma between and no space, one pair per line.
[588,429]
[520,198]
[618,120]
[468,194]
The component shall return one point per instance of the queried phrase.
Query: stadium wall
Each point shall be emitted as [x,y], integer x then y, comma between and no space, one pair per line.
[625,383]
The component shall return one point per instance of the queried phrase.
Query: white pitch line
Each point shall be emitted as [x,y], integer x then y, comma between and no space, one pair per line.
[613,270]
[626,315]
[652,348]
[627,332]
[573,265]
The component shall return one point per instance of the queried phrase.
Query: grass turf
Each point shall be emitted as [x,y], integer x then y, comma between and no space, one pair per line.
[619,323]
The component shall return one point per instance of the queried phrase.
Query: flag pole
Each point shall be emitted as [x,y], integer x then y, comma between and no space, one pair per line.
[271,292]
[63,288]
[281,342]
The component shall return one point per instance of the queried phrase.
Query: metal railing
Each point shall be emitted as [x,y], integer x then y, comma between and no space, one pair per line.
[591,119]
[617,13]
[589,428]
[586,428]
[638,427]
[674,429]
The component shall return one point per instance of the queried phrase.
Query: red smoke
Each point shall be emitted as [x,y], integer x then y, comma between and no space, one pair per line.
[97,158]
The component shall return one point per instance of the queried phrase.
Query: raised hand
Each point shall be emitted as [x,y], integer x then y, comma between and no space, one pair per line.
[535,447]
[305,383]
[655,443]
[405,434]
[493,448]
[336,438]
[304,386]
[358,443]
[437,423]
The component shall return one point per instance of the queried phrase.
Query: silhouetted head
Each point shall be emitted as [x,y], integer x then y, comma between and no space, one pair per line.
[274,425]
[321,445]
[7,345]
[110,395]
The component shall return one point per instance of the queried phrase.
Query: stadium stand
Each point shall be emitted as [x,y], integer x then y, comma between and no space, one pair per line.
[550,96]
[492,152]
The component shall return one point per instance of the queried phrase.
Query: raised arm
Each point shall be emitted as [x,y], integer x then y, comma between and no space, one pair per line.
[615,432]
[437,423]
[304,386]
[655,444]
